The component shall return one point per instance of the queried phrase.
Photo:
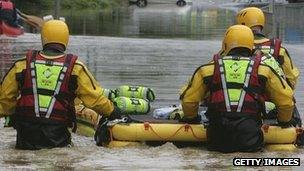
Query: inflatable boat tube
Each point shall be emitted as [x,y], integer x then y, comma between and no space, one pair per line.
[268,147]
[188,132]
[176,132]
[281,147]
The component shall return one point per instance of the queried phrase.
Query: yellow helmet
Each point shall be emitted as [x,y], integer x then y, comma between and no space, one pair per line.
[250,17]
[55,31]
[238,36]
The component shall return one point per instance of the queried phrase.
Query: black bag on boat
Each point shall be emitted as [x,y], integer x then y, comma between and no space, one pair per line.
[231,134]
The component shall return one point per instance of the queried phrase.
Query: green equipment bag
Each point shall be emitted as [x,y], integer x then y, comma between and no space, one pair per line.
[132,105]
[110,94]
[136,92]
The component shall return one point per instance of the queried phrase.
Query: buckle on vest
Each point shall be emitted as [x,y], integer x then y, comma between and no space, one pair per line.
[49,63]
[236,58]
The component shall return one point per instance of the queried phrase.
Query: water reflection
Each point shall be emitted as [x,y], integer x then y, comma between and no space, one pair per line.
[191,22]
[201,21]
[157,21]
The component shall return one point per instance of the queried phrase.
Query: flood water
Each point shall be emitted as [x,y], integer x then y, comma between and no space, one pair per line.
[163,63]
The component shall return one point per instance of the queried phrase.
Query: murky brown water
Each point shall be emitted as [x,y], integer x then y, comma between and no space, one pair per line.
[163,64]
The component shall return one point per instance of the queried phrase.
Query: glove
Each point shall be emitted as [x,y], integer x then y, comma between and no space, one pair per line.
[116,114]
[8,122]
[194,120]
[285,124]
[102,133]
[300,140]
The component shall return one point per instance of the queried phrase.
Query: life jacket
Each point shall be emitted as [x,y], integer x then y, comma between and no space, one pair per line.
[6,5]
[234,88]
[272,46]
[47,91]
[270,61]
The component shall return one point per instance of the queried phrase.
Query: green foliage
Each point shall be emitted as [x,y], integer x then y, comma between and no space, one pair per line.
[90,4]
[74,4]
[81,4]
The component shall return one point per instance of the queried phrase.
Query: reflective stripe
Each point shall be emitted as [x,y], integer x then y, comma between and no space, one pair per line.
[33,75]
[232,57]
[227,101]
[43,109]
[234,103]
[58,86]
[61,77]
[262,47]
[56,91]
[270,48]
[65,68]
[45,62]
[241,101]
[264,58]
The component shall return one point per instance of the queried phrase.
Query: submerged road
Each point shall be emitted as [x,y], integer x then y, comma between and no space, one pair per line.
[162,64]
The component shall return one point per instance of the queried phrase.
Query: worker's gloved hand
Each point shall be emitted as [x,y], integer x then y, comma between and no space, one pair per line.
[102,133]
[116,114]
[195,120]
[300,139]
[8,122]
[285,124]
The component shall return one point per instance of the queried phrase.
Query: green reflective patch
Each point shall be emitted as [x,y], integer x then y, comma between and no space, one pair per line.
[44,101]
[235,70]
[234,94]
[47,77]
[265,50]
[272,62]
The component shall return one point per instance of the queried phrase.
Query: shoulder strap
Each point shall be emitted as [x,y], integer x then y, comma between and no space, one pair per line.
[251,92]
[216,57]
[31,55]
[276,44]
[30,58]
[219,68]
[70,59]
[69,62]
[250,70]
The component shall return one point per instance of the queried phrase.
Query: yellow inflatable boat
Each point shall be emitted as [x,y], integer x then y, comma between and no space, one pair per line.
[151,130]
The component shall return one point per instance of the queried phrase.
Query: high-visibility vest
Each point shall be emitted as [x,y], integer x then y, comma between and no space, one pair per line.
[235,86]
[47,89]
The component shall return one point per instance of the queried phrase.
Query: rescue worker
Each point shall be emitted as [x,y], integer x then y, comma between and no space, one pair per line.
[236,84]
[8,13]
[39,91]
[254,18]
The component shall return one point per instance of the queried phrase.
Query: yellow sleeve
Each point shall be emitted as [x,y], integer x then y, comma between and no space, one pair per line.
[195,91]
[279,93]
[90,92]
[290,70]
[9,89]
